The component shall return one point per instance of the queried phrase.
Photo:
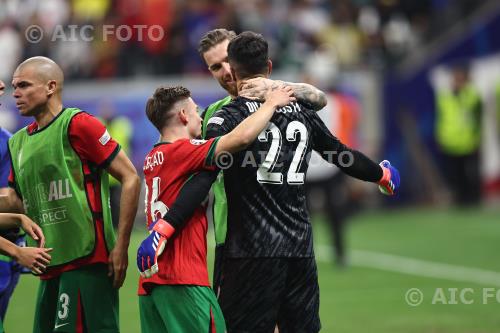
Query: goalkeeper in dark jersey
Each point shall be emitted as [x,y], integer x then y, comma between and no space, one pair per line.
[269,273]
[213,49]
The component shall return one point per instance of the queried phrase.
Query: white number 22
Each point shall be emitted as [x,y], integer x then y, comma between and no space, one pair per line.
[265,172]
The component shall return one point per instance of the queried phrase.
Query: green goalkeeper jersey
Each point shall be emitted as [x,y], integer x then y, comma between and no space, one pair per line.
[219,208]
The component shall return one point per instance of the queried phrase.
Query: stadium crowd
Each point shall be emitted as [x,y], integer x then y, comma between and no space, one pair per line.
[345,33]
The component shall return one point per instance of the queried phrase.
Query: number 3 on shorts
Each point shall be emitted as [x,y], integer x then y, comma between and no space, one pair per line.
[64,302]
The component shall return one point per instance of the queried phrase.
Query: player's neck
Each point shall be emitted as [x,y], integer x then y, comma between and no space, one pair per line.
[174,133]
[44,117]
[240,81]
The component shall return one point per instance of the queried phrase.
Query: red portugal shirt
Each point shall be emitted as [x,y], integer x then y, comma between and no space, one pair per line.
[84,134]
[166,168]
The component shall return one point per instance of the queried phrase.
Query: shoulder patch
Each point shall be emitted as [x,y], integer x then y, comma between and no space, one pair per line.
[197,142]
[105,138]
[216,120]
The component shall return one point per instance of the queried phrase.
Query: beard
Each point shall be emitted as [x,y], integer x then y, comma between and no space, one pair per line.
[229,87]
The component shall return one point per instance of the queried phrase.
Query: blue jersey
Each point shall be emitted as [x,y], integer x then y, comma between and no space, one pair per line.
[9,270]
[4,158]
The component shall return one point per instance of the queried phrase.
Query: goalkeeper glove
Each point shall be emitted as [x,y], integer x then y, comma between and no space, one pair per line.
[152,247]
[389,183]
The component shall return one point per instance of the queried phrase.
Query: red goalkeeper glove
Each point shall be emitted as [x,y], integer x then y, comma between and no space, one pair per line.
[389,183]
[152,247]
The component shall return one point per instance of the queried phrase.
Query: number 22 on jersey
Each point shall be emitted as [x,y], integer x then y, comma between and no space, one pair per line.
[266,172]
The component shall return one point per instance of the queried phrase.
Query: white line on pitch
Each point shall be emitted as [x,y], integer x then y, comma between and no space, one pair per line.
[413,266]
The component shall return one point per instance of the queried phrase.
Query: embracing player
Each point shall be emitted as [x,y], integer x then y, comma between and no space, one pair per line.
[175,294]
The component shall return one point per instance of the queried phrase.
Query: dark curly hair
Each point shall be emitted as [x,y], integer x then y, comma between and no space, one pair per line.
[248,54]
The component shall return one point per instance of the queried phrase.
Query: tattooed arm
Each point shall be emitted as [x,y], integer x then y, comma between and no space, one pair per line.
[256,89]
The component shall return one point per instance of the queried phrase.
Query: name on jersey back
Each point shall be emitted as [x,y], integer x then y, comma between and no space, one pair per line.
[153,160]
[292,107]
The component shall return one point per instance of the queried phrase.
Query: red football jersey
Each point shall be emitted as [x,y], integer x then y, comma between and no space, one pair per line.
[166,168]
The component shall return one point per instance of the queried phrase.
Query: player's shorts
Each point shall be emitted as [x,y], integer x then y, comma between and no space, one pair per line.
[259,293]
[81,300]
[218,262]
[181,309]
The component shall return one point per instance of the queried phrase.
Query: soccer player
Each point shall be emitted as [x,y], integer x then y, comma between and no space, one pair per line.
[178,298]
[213,49]
[269,260]
[10,240]
[60,166]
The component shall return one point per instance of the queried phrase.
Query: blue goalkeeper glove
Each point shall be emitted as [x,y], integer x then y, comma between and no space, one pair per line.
[389,183]
[152,247]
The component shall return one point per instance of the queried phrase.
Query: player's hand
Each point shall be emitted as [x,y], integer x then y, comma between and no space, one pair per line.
[118,263]
[389,183]
[280,97]
[34,258]
[152,247]
[257,88]
[32,229]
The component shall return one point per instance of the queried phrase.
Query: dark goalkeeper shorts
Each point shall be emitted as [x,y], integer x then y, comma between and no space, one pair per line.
[257,294]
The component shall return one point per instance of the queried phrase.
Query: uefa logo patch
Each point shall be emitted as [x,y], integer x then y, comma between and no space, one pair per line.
[105,138]
[197,142]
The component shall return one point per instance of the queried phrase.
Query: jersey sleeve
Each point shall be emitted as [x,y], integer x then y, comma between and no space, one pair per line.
[191,195]
[222,122]
[196,155]
[4,158]
[91,140]
[4,167]
[332,150]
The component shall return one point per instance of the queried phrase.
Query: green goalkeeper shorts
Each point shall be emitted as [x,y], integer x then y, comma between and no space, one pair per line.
[181,309]
[82,300]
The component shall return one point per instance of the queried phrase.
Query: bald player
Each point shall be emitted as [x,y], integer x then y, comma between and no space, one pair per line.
[60,166]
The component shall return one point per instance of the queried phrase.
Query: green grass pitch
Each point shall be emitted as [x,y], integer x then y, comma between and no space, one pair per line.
[460,246]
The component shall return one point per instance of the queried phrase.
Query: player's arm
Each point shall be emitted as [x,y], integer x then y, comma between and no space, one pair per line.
[352,162]
[305,93]
[10,202]
[92,142]
[12,220]
[124,171]
[34,258]
[248,130]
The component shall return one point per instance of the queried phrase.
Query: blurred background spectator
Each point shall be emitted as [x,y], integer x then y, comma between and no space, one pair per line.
[458,135]
[353,32]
